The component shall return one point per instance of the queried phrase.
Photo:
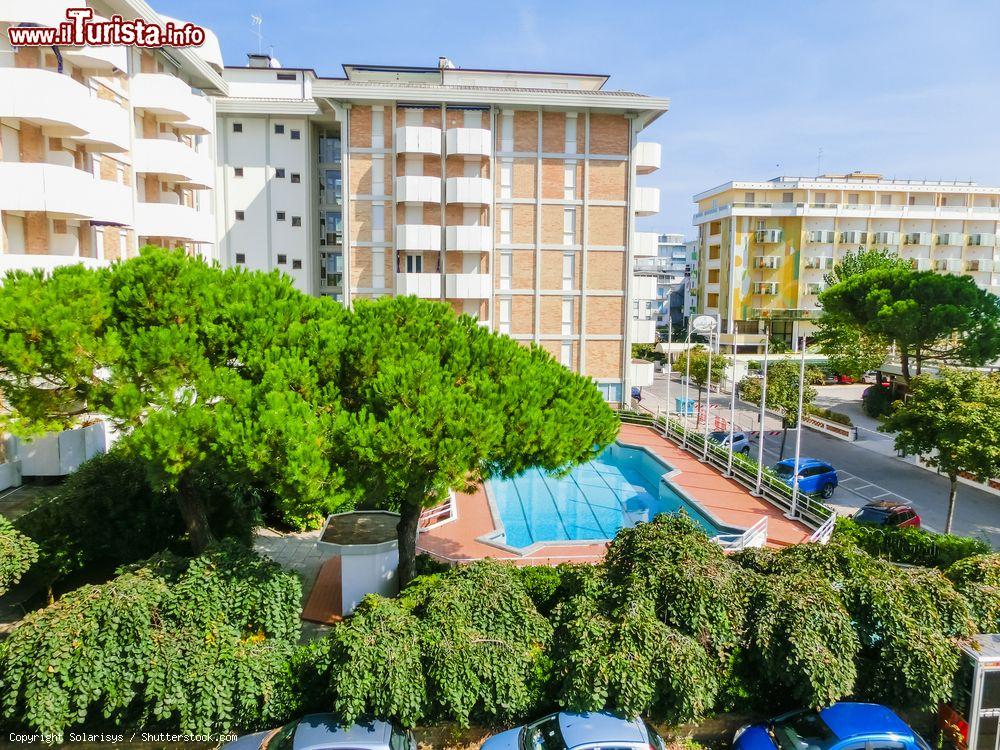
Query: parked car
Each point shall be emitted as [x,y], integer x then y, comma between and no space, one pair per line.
[815,477]
[741,443]
[887,513]
[325,732]
[566,731]
[842,726]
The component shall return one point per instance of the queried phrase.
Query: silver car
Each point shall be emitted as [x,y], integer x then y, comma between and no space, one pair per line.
[325,732]
[741,443]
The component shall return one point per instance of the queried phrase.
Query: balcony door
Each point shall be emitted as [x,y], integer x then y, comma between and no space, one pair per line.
[414,263]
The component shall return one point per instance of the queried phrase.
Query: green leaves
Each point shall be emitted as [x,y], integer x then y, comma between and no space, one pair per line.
[699,365]
[17,554]
[782,390]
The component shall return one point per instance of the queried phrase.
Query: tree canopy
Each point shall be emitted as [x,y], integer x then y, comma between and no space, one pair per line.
[953,422]
[699,366]
[17,554]
[782,393]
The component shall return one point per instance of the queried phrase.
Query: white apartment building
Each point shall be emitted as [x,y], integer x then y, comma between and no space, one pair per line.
[765,246]
[103,149]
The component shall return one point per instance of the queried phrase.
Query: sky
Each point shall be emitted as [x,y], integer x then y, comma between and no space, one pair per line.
[907,88]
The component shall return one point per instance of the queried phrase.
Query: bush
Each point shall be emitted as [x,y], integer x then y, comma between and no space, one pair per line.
[203,645]
[542,583]
[977,579]
[827,414]
[876,401]
[909,545]
[17,554]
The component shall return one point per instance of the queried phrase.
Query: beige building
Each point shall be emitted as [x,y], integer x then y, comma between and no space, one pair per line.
[764,247]
[510,195]
[103,149]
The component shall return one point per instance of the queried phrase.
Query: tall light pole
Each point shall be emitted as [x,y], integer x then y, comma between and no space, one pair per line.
[703,324]
[670,365]
[798,432]
[708,400]
[763,401]
[732,407]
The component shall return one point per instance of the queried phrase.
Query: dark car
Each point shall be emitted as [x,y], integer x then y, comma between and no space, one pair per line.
[815,477]
[889,514]
[842,726]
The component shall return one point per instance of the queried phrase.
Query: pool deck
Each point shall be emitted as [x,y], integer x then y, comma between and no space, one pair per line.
[727,500]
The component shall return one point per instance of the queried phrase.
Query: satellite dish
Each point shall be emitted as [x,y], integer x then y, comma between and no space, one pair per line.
[703,324]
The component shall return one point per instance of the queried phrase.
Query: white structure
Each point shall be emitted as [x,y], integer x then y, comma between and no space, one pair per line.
[360,548]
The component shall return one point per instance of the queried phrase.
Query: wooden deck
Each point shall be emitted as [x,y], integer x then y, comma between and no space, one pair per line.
[325,600]
[725,499]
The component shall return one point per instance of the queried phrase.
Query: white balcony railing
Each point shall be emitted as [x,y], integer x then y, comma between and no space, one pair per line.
[418,139]
[170,220]
[64,107]
[173,160]
[471,239]
[169,98]
[418,237]
[645,243]
[646,201]
[477,190]
[643,287]
[427,285]
[467,285]
[64,191]
[647,157]
[469,141]
[45,263]
[641,373]
[643,331]
[418,189]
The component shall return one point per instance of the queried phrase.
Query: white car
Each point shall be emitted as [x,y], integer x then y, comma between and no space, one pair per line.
[741,443]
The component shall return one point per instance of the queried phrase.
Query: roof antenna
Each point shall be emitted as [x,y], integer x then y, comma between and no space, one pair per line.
[256,21]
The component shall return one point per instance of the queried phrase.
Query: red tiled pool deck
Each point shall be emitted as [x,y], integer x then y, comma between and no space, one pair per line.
[727,500]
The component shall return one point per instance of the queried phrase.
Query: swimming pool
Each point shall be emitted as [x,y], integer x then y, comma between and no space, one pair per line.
[620,488]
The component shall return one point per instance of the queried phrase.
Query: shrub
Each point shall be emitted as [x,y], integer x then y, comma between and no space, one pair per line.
[542,583]
[17,554]
[977,579]
[909,545]
[876,401]
[831,416]
[138,650]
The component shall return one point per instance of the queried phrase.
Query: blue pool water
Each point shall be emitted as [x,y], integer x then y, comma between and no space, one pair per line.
[619,488]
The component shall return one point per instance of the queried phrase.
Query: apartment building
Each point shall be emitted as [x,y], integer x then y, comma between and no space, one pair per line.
[764,247]
[510,195]
[671,267]
[103,149]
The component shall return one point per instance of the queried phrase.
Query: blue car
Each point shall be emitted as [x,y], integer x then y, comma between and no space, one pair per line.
[325,732]
[567,731]
[842,726]
[815,477]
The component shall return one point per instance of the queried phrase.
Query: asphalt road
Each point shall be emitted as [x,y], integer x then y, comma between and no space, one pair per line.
[866,474]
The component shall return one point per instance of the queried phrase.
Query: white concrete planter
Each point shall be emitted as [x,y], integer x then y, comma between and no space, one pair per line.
[10,474]
[365,542]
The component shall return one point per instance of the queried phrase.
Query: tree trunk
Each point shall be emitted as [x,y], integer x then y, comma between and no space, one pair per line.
[784,436]
[195,519]
[904,362]
[952,497]
[406,536]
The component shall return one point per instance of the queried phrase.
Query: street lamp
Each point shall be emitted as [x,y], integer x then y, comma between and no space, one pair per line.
[704,325]
[798,432]
[763,401]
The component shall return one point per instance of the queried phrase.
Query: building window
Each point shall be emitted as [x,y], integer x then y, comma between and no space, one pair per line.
[853,199]
[296,135]
[568,270]
[569,226]
[414,263]
[570,146]
[503,325]
[237,171]
[378,128]
[506,224]
[569,180]
[749,198]
[507,132]
[821,198]
[296,265]
[237,127]
[378,268]
[296,221]
[506,270]
[296,178]
[566,354]
[279,129]
[787,198]
[567,316]
[280,216]
[378,222]
[286,77]
[378,175]
[279,173]
[506,178]
[239,215]
[241,258]
[123,244]
[282,259]
[886,200]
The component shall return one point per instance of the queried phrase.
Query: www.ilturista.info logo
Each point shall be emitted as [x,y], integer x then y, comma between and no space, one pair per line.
[80,29]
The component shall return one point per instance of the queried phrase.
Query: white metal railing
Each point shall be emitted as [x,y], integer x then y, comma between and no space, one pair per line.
[755,536]
[825,531]
[431,518]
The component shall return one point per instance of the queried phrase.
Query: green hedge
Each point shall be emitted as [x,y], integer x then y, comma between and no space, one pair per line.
[832,416]
[910,546]
[17,554]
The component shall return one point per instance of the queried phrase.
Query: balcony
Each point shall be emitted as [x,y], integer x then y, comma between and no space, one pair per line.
[646,201]
[64,192]
[477,190]
[170,220]
[64,108]
[643,287]
[418,237]
[979,265]
[821,262]
[45,263]
[951,239]
[172,100]
[470,239]
[647,157]
[418,189]
[642,331]
[174,160]
[468,141]
[418,139]
[467,285]
[645,243]
[426,285]
[640,373]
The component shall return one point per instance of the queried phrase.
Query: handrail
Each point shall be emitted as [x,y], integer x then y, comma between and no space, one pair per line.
[441,514]
[755,536]
[825,531]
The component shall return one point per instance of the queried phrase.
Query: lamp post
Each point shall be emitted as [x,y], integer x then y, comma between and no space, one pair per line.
[708,401]
[798,432]
[763,401]
[670,367]
[687,387]
[705,325]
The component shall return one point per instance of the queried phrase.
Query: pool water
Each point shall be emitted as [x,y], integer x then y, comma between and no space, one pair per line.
[620,488]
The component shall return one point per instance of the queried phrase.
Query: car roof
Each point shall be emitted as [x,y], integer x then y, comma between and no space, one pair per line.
[886,505]
[803,462]
[848,720]
[599,728]
[326,731]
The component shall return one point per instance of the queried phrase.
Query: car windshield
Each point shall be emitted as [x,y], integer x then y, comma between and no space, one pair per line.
[282,739]
[718,437]
[871,515]
[802,731]
[783,470]
[544,734]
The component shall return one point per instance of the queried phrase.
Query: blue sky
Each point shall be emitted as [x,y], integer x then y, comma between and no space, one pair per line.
[908,88]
